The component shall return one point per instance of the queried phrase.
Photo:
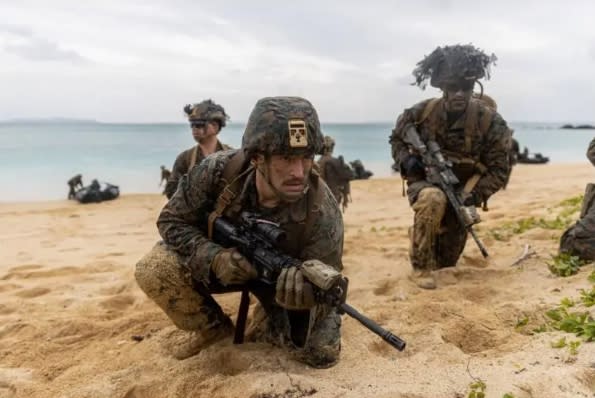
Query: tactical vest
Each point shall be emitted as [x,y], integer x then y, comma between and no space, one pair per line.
[301,222]
[432,113]
[194,154]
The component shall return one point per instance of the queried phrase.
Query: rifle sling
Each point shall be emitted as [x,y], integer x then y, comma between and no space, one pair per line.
[231,180]
[238,337]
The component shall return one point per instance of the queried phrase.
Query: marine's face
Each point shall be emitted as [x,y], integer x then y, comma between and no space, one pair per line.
[201,129]
[288,175]
[457,95]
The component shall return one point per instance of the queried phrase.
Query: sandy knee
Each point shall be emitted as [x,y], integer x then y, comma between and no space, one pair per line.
[154,267]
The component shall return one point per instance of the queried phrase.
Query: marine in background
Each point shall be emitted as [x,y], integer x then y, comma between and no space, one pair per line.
[336,173]
[206,121]
[471,135]
[74,183]
[165,174]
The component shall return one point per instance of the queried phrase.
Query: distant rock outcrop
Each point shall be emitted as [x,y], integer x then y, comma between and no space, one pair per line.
[578,127]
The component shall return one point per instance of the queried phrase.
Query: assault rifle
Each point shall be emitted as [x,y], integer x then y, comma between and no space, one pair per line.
[439,173]
[258,241]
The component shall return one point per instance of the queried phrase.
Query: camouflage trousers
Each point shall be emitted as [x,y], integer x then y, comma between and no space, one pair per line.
[313,336]
[579,239]
[437,239]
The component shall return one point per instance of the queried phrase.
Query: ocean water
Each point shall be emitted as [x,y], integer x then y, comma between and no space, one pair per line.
[36,159]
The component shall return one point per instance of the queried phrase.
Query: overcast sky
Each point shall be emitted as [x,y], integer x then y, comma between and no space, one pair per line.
[126,61]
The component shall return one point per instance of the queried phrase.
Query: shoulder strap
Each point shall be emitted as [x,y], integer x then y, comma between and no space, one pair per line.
[193,157]
[486,119]
[470,123]
[231,178]
[427,110]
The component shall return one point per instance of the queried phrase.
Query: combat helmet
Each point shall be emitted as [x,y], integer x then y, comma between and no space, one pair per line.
[283,125]
[206,110]
[458,64]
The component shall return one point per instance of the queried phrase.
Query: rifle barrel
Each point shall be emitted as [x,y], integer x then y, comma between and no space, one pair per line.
[386,335]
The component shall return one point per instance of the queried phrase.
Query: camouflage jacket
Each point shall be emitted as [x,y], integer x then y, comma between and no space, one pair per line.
[591,152]
[335,173]
[182,164]
[180,220]
[487,151]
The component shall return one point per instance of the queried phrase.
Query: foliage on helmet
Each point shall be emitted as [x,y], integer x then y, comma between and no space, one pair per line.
[453,64]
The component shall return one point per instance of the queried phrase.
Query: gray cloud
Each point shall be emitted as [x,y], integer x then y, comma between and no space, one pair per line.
[30,47]
[352,59]
[43,50]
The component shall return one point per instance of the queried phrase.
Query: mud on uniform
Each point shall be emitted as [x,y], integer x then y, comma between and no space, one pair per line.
[176,274]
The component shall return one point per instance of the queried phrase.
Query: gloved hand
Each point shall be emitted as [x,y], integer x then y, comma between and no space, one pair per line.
[231,268]
[413,167]
[472,199]
[293,292]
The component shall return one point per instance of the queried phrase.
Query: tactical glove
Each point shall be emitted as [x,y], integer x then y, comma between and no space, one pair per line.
[231,268]
[413,168]
[293,292]
[472,199]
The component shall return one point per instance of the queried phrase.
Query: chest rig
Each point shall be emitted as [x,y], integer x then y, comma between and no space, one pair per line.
[301,215]
[466,161]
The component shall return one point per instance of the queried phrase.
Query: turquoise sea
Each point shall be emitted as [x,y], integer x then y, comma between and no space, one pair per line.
[36,159]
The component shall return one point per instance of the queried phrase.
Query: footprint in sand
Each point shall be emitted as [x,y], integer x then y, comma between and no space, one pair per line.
[26,267]
[34,292]
[5,310]
[113,254]
[8,286]
[117,303]
[384,288]
[229,362]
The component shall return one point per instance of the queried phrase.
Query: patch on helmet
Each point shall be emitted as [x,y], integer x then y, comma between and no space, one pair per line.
[298,134]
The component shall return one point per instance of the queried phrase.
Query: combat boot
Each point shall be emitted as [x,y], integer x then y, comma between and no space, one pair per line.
[182,344]
[423,278]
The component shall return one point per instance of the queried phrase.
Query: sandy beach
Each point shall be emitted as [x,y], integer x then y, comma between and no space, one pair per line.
[73,322]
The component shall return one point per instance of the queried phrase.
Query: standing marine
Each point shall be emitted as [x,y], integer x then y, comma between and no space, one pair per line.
[336,173]
[271,175]
[472,136]
[74,183]
[206,121]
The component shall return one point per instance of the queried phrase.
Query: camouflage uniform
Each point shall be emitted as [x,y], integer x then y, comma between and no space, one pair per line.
[177,274]
[205,111]
[579,239]
[477,144]
[335,173]
[182,166]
